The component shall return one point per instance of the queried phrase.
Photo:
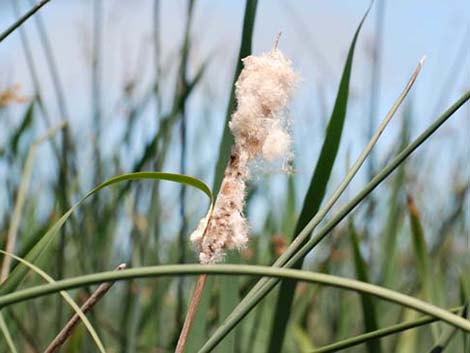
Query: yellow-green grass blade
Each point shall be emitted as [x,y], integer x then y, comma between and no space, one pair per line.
[383,332]
[38,249]
[395,213]
[264,271]
[421,253]
[316,192]
[7,335]
[66,297]
[447,335]
[369,310]
[25,124]
[21,195]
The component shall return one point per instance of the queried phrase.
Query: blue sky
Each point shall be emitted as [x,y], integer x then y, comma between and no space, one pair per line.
[316,36]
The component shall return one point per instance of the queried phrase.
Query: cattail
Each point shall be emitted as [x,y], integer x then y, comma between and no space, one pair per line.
[260,130]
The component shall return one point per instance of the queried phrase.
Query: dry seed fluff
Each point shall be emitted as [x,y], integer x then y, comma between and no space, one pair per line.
[259,127]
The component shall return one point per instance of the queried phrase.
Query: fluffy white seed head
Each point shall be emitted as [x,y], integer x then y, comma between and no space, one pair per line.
[259,126]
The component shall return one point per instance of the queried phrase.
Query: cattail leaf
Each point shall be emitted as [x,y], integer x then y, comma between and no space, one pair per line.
[382,332]
[316,190]
[66,297]
[228,289]
[369,311]
[7,335]
[232,270]
[447,335]
[245,50]
[22,128]
[420,248]
[198,333]
[39,248]
[14,26]
[395,209]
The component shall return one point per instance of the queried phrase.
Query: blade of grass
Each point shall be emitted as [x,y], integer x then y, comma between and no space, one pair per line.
[65,162]
[25,124]
[19,272]
[395,209]
[383,332]
[198,333]
[21,198]
[419,246]
[292,254]
[369,311]
[182,86]
[36,7]
[261,288]
[227,302]
[265,271]
[30,61]
[7,335]
[447,335]
[66,297]
[316,191]
[245,50]
[421,253]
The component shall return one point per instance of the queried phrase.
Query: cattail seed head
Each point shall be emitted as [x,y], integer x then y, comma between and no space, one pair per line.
[259,127]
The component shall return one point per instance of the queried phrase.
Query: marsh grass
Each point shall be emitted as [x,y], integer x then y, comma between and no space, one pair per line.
[242,307]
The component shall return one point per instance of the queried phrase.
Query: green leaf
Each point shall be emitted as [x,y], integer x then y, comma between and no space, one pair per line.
[39,248]
[316,191]
[66,297]
[447,335]
[22,19]
[420,248]
[198,333]
[228,289]
[265,271]
[383,332]
[369,311]
[7,335]
[24,126]
[245,50]
[395,210]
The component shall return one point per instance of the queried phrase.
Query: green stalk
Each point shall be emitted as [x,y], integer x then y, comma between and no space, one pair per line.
[182,87]
[383,332]
[245,50]
[7,335]
[265,271]
[63,180]
[22,19]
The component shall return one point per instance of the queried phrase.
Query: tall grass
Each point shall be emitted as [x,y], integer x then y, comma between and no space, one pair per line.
[406,289]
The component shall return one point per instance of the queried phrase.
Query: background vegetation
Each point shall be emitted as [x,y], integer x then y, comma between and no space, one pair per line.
[166,113]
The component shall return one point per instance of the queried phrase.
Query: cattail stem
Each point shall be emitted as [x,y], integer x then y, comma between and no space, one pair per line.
[201,281]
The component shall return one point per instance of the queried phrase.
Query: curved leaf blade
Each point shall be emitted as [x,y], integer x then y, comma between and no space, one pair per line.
[19,272]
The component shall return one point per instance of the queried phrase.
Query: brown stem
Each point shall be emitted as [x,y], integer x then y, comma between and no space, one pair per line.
[73,322]
[191,313]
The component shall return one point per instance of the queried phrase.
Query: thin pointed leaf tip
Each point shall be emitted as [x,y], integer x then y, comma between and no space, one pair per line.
[260,130]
